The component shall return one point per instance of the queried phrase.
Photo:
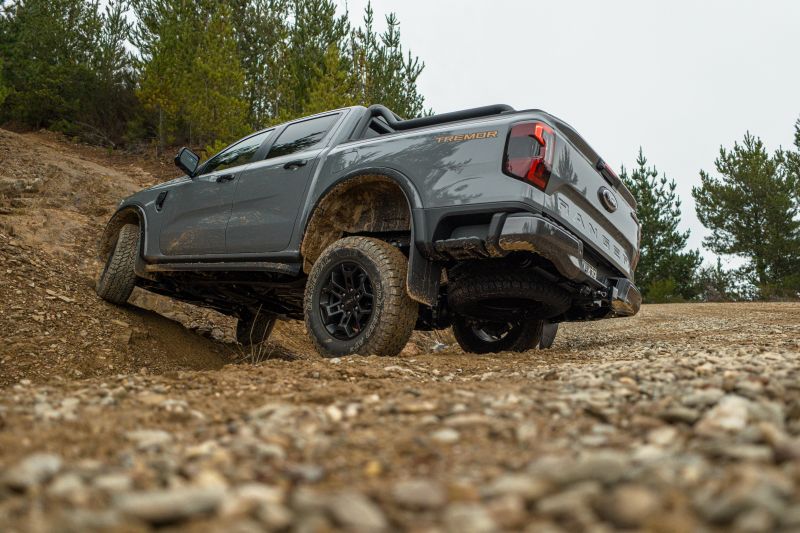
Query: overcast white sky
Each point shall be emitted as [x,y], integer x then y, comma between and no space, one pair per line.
[680,78]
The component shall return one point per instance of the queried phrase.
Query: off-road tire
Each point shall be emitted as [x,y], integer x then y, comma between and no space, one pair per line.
[468,296]
[549,332]
[251,331]
[118,278]
[394,313]
[523,336]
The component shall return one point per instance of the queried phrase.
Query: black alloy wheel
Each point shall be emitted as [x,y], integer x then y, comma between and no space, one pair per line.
[493,337]
[356,300]
[346,302]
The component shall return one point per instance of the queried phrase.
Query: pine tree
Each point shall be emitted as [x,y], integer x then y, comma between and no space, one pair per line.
[192,79]
[665,271]
[716,284]
[262,30]
[5,90]
[316,29]
[47,47]
[114,100]
[383,74]
[753,211]
[215,109]
[166,38]
[331,87]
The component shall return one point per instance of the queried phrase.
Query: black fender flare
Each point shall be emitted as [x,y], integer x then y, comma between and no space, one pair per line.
[424,275]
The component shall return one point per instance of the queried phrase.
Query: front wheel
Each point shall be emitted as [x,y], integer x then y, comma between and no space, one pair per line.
[493,337]
[118,277]
[356,300]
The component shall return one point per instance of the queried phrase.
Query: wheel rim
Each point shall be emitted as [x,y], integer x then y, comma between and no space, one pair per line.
[346,301]
[492,333]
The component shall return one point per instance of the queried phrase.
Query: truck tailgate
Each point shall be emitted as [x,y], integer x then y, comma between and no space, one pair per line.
[588,204]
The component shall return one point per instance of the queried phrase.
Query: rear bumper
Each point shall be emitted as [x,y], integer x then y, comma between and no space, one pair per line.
[533,233]
[537,234]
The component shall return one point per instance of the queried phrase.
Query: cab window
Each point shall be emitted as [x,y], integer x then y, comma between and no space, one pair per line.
[302,135]
[239,154]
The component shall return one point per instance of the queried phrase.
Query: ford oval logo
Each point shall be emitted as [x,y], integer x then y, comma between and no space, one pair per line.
[608,199]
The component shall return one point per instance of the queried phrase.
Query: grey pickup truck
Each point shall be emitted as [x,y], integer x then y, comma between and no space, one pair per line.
[495,222]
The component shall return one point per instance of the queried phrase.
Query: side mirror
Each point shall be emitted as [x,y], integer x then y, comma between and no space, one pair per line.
[187,161]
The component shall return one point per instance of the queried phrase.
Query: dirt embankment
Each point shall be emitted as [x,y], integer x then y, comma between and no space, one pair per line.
[54,202]
[684,418]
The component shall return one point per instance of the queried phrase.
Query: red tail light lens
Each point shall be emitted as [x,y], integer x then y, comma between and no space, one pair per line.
[529,153]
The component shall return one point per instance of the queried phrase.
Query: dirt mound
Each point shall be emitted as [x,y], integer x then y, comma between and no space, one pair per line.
[54,202]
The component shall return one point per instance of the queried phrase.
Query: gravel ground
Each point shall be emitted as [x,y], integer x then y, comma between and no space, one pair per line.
[686,417]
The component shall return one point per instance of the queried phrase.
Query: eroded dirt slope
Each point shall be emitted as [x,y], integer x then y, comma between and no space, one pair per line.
[54,202]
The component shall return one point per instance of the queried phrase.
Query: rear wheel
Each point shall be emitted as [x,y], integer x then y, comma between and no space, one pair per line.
[356,300]
[486,294]
[118,278]
[492,337]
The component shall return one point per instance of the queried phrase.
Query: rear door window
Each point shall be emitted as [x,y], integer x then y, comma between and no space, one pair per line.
[303,135]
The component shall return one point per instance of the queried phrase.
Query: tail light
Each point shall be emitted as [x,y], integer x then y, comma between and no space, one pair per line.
[529,153]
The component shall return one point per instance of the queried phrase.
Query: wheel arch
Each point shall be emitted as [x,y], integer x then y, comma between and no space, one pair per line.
[374,199]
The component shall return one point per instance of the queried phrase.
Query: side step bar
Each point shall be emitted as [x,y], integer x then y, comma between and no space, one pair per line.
[245,266]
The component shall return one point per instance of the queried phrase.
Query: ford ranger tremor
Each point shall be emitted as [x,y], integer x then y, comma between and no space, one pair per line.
[495,222]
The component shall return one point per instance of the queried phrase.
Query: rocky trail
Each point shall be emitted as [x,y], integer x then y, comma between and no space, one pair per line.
[683,418]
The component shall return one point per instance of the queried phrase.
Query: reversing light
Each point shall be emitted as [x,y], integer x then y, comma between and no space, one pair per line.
[529,153]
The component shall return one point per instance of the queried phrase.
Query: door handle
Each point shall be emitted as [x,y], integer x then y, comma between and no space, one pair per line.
[225,178]
[292,165]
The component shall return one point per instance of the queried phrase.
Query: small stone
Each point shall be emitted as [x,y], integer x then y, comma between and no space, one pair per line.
[703,398]
[334,413]
[663,436]
[113,482]
[508,511]
[526,486]
[275,516]
[754,521]
[418,494]
[526,432]
[579,496]
[747,452]
[87,520]
[605,466]
[307,472]
[629,506]
[149,438]
[353,510]
[168,506]
[415,407]
[446,436]
[729,415]
[246,498]
[468,518]
[68,485]
[32,470]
